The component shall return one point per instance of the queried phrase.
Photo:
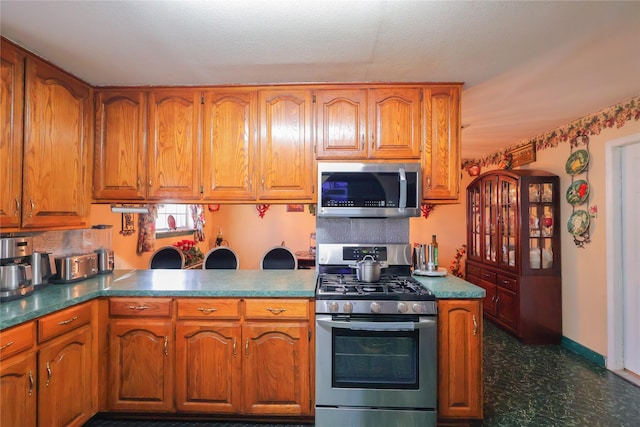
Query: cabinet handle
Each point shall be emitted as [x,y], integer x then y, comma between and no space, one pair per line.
[17,206]
[505,282]
[475,326]
[166,344]
[207,310]
[138,307]
[138,184]
[497,299]
[9,344]
[150,183]
[250,183]
[235,343]
[276,310]
[428,182]
[33,206]
[263,182]
[66,322]
[246,347]
[30,383]
[362,141]
[48,375]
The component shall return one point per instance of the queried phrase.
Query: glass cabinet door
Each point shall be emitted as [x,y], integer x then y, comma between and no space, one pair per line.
[508,221]
[541,225]
[475,223]
[489,216]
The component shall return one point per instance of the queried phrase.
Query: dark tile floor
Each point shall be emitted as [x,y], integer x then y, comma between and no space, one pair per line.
[535,386]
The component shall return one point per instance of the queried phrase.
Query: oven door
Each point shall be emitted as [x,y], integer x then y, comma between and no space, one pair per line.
[372,362]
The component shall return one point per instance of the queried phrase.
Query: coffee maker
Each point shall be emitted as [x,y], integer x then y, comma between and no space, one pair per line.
[16,279]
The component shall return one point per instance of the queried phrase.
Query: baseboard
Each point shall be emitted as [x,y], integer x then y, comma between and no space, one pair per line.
[583,351]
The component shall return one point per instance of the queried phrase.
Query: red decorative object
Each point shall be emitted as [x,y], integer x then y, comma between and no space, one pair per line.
[192,253]
[474,169]
[456,267]
[214,208]
[426,210]
[262,209]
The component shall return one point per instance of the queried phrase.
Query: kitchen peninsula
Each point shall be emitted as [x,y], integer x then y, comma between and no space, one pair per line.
[143,333]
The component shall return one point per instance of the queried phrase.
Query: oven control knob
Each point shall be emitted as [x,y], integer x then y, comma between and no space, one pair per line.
[402,307]
[417,308]
[375,307]
[333,307]
[347,307]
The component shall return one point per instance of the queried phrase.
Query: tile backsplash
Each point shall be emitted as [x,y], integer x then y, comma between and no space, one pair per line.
[66,242]
[362,230]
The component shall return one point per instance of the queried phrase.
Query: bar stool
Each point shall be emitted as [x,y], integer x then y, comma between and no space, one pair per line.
[168,257]
[279,258]
[221,258]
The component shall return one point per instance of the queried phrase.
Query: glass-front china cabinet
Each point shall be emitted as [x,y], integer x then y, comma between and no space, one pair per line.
[513,251]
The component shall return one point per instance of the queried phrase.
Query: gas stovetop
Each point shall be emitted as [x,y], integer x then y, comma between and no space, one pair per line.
[343,294]
[388,287]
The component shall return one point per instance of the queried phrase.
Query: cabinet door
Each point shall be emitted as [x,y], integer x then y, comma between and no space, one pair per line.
[341,123]
[441,158]
[230,119]
[11,118]
[286,150]
[489,215]
[276,368]
[65,380]
[507,307]
[460,359]
[57,162]
[173,163]
[394,123]
[208,366]
[18,391]
[508,224]
[120,145]
[141,365]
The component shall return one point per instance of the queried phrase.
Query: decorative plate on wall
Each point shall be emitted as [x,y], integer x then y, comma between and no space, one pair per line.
[578,192]
[578,222]
[577,162]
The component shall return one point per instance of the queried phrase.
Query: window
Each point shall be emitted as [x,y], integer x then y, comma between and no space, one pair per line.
[174,219]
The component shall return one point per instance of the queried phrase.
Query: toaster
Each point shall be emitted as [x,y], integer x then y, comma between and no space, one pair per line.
[71,268]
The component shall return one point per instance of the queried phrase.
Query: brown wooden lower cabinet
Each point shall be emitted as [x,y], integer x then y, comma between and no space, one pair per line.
[141,365]
[460,393]
[208,366]
[230,356]
[65,379]
[18,390]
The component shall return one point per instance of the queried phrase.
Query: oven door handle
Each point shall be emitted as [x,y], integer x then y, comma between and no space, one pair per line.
[379,326]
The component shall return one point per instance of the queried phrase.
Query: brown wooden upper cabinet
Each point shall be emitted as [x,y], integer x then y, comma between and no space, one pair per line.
[229,144]
[120,145]
[286,148]
[368,123]
[441,158]
[56,179]
[173,164]
[11,119]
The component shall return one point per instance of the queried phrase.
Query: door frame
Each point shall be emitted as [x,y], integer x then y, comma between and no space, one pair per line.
[613,205]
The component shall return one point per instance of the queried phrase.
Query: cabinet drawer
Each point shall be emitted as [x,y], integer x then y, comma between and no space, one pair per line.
[63,321]
[508,282]
[473,270]
[209,308]
[489,276]
[140,307]
[17,339]
[276,308]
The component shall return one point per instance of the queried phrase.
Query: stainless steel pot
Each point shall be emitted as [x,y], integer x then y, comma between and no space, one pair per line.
[368,269]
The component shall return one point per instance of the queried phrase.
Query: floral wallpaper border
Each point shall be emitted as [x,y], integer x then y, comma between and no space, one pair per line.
[617,115]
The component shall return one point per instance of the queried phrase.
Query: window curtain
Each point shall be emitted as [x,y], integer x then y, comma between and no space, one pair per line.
[197,215]
[147,230]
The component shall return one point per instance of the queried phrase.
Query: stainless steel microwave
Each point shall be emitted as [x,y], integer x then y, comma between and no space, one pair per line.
[369,190]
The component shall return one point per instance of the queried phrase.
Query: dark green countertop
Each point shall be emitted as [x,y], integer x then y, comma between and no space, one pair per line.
[194,283]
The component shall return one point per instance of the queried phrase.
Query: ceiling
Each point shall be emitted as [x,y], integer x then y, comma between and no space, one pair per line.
[528,66]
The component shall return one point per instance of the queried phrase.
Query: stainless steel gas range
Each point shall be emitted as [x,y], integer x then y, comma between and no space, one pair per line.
[376,355]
